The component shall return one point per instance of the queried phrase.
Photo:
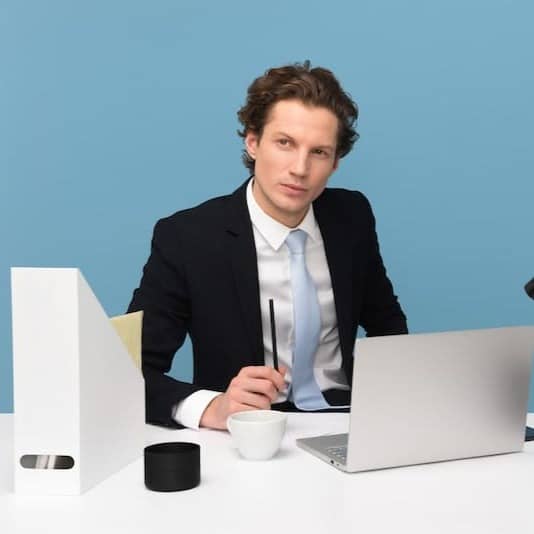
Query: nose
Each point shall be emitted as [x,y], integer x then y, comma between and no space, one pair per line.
[300,164]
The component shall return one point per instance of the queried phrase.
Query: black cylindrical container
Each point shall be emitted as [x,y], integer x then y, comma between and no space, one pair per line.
[172,466]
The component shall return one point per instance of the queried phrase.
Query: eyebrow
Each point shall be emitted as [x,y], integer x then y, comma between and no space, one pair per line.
[322,147]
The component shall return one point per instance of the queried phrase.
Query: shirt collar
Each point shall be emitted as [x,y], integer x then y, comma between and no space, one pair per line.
[273,232]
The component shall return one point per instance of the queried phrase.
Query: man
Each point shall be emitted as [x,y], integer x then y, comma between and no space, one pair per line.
[281,236]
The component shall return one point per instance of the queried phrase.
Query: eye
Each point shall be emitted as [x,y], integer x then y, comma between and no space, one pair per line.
[320,152]
[283,142]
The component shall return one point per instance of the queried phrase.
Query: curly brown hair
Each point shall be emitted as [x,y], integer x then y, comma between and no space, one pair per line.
[313,86]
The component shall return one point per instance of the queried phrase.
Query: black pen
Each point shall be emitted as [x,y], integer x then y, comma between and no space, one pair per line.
[273,334]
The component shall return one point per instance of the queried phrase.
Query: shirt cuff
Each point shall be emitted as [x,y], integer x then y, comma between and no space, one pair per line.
[189,411]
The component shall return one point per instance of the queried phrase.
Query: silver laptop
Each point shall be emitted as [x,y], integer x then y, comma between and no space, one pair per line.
[432,397]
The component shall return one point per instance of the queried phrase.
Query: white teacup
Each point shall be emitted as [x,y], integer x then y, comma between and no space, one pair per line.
[257,433]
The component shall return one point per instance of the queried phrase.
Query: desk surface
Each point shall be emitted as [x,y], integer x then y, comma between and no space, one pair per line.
[294,492]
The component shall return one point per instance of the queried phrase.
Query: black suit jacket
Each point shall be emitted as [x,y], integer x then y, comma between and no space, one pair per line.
[201,279]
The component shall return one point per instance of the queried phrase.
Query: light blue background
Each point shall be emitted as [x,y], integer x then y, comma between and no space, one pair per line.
[114,114]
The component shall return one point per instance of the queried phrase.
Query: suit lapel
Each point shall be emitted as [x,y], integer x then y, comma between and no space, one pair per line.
[339,255]
[242,254]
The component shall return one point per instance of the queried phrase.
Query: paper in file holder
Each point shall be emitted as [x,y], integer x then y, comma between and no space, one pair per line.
[78,395]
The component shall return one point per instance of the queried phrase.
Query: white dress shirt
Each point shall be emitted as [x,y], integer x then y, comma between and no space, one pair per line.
[275,283]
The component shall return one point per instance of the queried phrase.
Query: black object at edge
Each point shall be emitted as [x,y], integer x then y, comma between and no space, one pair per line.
[529,288]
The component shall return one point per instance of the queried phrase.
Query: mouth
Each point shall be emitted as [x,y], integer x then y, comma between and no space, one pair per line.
[292,188]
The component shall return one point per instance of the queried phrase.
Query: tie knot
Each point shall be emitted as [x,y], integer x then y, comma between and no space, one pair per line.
[296,241]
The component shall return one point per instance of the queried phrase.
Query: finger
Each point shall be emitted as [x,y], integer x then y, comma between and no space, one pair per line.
[267,373]
[253,400]
[280,380]
[256,371]
[262,386]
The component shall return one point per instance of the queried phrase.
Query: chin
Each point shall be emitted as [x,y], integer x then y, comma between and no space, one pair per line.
[292,208]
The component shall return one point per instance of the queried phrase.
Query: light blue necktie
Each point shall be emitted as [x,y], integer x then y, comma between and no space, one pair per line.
[305,392]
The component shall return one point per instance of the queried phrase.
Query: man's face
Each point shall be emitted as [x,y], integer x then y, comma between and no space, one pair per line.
[294,158]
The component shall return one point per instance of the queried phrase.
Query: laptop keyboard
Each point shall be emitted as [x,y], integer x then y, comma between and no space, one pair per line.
[338,453]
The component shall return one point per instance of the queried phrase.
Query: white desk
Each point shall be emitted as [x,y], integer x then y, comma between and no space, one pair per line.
[294,493]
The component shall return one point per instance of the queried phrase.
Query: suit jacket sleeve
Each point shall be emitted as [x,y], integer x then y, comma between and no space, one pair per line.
[381,312]
[163,296]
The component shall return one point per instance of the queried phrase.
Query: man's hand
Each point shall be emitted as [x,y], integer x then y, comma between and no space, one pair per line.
[254,388]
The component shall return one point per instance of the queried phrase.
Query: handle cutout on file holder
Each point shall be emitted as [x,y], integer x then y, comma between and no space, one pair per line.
[46,461]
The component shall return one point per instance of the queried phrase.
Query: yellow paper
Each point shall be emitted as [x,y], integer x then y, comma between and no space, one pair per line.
[129,328]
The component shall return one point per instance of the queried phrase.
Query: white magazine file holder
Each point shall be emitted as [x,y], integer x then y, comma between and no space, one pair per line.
[79,398]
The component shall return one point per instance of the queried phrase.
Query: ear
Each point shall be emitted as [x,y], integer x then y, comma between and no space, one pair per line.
[252,140]
[336,164]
